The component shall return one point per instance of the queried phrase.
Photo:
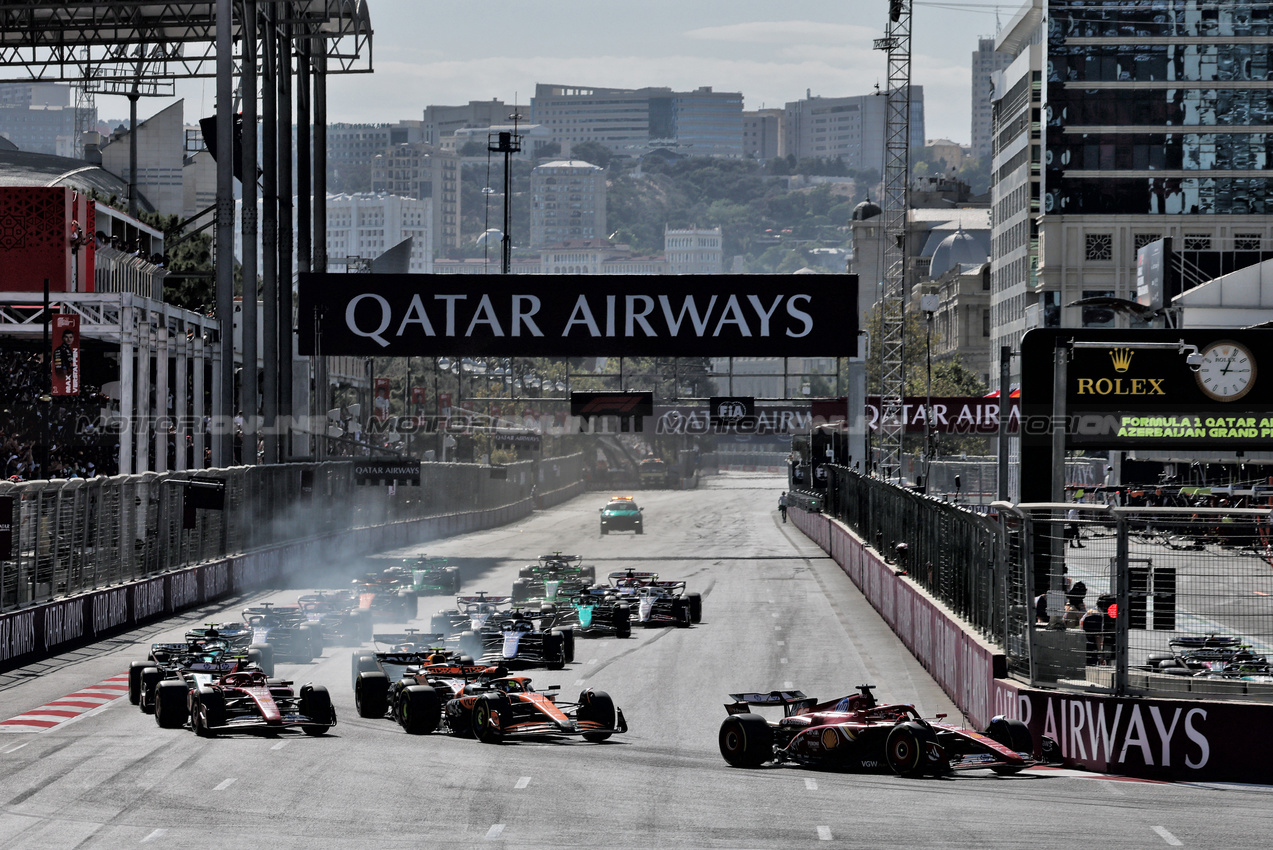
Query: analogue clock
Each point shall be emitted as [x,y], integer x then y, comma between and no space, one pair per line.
[1227,372]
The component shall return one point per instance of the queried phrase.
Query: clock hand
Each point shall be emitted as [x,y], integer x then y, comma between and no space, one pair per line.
[1228,364]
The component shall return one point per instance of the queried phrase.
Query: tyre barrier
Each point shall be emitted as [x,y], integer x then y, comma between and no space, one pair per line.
[1143,737]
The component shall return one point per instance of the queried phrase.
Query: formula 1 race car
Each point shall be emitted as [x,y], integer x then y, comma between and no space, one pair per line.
[595,612]
[337,615]
[554,578]
[516,641]
[1212,657]
[286,630]
[432,576]
[388,594]
[620,514]
[498,708]
[470,613]
[205,656]
[857,733]
[245,701]
[376,674]
[657,603]
[240,638]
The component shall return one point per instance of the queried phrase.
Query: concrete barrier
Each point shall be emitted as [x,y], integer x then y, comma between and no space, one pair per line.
[43,630]
[1189,740]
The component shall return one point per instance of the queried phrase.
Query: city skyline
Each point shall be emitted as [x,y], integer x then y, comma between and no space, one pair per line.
[821,47]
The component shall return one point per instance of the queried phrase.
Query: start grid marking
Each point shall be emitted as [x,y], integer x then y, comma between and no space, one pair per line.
[69,707]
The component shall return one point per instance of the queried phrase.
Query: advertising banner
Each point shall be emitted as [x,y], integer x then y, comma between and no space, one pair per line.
[444,404]
[7,551]
[566,316]
[66,355]
[418,397]
[405,470]
[730,410]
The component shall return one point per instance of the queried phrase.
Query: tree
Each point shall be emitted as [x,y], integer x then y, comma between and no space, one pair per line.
[592,152]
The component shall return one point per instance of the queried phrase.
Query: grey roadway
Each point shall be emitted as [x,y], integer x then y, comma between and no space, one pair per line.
[777,613]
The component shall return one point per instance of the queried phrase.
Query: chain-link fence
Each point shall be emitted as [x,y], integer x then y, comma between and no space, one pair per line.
[82,534]
[1150,601]
[953,553]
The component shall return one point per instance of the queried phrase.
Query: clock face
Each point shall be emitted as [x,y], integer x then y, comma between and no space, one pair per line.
[1227,372]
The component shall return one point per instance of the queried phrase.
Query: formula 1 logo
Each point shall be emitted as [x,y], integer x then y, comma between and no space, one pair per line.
[612,404]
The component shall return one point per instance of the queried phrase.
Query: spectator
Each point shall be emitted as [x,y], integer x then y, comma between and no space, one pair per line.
[782,505]
[1098,625]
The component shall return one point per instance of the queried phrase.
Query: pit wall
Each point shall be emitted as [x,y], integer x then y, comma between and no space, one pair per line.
[44,630]
[1151,738]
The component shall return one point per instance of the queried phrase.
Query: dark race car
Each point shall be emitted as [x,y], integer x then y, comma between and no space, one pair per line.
[471,613]
[286,630]
[555,578]
[204,656]
[857,733]
[376,674]
[516,642]
[250,701]
[503,707]
[337,616]
[656,602]
[622,514]
[388,594]
[432,576]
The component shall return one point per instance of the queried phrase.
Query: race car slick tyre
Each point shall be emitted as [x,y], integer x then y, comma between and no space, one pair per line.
[622,621]
[440,624]
[604,530]
[150,678]
[746,740]
[681,610]
[419,709]
[207,712]
[599,708]
[454,574]
[371,694]
[314,633]
[410,604]
[590,575]
[526,572]
[904,749]
[262,654]
[134,680]
[1013,734]
[640,530]
[316,704]
[554,651]
[568,641]
[484,710]
[696,607]
[361,663]
[471,644]
[520,590]
[362,625]
[170,704]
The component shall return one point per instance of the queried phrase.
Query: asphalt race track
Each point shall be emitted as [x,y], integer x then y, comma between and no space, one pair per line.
[776,613]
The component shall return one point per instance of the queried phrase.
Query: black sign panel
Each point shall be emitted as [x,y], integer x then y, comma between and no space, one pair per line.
[404,470]
[731,410]
[6,529]
[518,439]
[611,404]
[570,316]
[1208,389]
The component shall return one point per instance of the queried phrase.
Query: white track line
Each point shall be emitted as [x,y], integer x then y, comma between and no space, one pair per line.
[494,832]
[522,783]
[824,833]
[1168,837]
[811,784]
[224,784]
[280,745]
[158,833]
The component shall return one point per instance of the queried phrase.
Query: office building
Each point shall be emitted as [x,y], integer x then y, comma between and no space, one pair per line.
[762,134]
[427,173]
[568,202]
[986,62]
[847,128]
[694,250]
[361,227]
[633,121]
[441,122]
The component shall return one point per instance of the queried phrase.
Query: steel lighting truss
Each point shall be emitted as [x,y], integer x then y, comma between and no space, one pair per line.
[117,47]
[896,204]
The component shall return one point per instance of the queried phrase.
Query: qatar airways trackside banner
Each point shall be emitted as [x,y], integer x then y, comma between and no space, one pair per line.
[573,315]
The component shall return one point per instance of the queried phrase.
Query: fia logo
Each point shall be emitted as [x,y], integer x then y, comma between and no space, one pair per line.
[731,410]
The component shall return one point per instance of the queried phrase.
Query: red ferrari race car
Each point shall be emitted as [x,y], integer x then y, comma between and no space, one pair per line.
[245,701]
[857,733]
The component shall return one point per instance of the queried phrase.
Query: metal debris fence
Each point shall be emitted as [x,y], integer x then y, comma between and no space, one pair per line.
[71,536]
[1162,601]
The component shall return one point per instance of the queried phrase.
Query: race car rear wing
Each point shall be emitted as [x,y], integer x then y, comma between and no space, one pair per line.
[484,598]
[565,559]
[431,638]
[790,701]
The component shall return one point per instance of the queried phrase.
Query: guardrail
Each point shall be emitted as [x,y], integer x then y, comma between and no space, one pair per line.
[78,535]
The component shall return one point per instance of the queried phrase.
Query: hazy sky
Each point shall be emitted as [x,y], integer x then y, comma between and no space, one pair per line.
[450,53]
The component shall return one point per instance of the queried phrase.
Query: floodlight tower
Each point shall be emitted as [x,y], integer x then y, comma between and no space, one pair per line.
[897,131]
[508,144]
